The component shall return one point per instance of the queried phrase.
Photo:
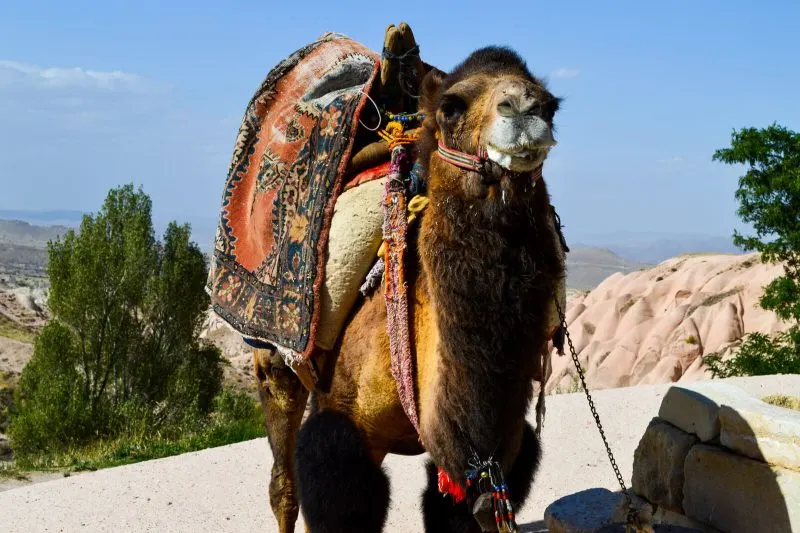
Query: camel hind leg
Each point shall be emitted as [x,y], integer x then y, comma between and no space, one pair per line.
[284,399]
[341,488]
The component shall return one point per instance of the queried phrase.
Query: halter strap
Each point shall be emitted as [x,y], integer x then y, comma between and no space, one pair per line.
[476,163]
[461,159]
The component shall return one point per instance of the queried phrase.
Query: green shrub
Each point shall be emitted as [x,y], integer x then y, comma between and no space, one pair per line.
[52,408]
[782,400]
[235,417]
[760,356]
[120,359]
[10,330]
[7,385]
[768,196]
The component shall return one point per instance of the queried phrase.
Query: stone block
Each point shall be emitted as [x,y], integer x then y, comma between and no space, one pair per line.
[740,495]
[666,517]
[590,510]
[642,508]
[582,512]
[658,528]
[658,464]
[762,431]
[694,407]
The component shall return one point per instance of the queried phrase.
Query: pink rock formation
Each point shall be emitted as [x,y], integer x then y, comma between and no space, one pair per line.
[654,325]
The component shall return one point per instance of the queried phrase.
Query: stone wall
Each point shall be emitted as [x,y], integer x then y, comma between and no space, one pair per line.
[718,460]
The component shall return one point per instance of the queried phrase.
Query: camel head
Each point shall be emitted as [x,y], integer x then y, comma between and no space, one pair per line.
[490,107]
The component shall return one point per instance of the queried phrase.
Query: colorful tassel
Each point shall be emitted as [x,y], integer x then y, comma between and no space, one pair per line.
[448,486]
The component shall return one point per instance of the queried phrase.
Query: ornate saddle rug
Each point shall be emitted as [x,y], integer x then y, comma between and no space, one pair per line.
[286,173]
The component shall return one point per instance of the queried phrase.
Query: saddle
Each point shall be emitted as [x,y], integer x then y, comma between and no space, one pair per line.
[301,220]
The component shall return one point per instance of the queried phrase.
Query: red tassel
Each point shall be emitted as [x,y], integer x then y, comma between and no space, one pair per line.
[448,486]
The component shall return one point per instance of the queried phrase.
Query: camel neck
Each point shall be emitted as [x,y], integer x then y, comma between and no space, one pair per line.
[490,280]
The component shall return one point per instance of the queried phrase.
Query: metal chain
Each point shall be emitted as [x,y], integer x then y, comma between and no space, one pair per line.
[573,353]
[631,516]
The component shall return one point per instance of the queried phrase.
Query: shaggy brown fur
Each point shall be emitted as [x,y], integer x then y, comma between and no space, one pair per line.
[490,265]
[479,287]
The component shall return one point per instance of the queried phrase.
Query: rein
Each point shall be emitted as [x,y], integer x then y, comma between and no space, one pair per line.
[481,164]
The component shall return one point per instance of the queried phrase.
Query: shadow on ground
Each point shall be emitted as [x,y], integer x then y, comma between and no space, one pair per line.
[533,527]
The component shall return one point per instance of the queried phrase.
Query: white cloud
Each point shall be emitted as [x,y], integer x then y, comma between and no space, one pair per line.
[565,72]
[670,160]
[70,134]
[14,73]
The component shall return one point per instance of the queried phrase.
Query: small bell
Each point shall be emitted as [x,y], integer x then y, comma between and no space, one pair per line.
[483,511]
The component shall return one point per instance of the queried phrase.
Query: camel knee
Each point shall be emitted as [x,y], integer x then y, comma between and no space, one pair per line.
[283,398]
[281,487]
[283,499]
[277,384]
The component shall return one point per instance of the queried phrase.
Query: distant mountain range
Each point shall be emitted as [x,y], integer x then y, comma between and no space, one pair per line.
[20,233]
[587,267]
[203,228]
[592,257]
[652,247]
[49,218]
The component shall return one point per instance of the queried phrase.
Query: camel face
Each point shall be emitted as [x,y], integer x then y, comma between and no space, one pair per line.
[492,103]
[518,134]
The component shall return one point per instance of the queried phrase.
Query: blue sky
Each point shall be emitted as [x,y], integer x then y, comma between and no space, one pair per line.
[95,94]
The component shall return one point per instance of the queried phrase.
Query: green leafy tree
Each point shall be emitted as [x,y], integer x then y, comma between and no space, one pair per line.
[769,199]
[121,354]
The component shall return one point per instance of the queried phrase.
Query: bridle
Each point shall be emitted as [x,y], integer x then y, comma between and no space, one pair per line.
[481,164]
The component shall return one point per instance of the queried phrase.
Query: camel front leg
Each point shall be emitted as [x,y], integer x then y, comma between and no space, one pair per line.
[284,399]
[442,515]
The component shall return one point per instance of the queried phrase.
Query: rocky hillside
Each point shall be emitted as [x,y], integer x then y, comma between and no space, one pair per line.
[23,261]
[22,233]
[640,325]
[23,292]
[240,356]
[588,267]
[653,325]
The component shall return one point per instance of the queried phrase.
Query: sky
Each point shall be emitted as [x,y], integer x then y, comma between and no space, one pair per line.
[97,94]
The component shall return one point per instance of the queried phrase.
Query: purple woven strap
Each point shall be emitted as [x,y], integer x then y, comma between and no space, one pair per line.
[395,227]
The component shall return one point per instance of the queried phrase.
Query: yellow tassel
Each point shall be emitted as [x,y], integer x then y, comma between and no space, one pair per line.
[415,206]
[395,135]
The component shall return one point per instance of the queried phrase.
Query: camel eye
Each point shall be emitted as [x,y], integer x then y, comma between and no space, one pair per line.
[452,106]
[550,108]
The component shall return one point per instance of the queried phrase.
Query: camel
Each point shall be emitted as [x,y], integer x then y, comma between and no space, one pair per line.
[481,271]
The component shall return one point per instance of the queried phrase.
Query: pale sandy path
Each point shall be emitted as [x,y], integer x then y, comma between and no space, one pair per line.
[224,489]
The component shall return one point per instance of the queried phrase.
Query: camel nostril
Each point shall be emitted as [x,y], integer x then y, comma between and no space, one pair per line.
[508,107]
[515,105]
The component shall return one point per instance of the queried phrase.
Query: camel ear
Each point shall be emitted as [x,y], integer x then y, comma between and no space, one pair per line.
[430,90]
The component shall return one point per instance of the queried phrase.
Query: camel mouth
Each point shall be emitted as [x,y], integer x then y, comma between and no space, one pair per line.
[519,159]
